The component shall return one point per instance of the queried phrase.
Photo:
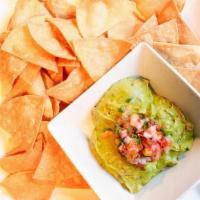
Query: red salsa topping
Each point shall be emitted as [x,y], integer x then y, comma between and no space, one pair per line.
[141,139]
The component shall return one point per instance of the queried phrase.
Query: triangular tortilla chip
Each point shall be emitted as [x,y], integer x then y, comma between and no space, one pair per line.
[67,28]
[10,68]
[125,29]
[23,161]
[62,8]
[24,10]
[148,25]
[38,88]
[68,63]
[166,32]
[21,117]
[55,166]
[76,83]
[179,55]
[48,82]
[96,17]
[170,11]
[56,106]
[100,55]
[43,35]
[57,77]
[22,187]
[24,81]
[19,43]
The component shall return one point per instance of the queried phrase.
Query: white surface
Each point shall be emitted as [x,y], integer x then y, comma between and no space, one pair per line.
[71,127]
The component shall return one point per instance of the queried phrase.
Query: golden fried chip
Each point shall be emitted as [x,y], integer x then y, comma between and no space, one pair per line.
[55,166]
[38,88]
[20,117]
[100,55]
[62,8]
[57,77]
[75,84]
[24,81]
[23,161]
[148,25]
[48,82]
[22,187]
[179,55]
[19,43]
[166,32]
[25,9]
[11,68]
[170,11]
[56,106]
[67,28]
[68,63]
[125,29]
[95,17]
[43,35]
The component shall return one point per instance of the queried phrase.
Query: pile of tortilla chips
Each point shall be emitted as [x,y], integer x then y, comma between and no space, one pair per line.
[51,52]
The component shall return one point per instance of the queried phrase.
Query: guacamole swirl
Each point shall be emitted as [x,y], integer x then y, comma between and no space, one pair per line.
[138,96]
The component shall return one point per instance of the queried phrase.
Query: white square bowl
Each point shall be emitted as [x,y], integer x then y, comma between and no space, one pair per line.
[72,127]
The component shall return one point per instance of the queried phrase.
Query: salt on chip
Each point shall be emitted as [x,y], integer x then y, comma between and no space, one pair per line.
[55,166]
[43,35]
[38,88]
[25,9]
[166,32]
[170,11]
[22,121]
[11,68]
[95,17]
[20,44]
[148,25]
[24,81]
[75,84]
[22,187]
[62,8]
[23,161]
[179,55]
[100,55]
[67,28]
[125,29]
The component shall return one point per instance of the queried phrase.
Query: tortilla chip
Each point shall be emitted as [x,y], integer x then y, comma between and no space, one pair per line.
[148,25]
[96,17]
[23,161]
[24,81]
[100,55]
[19,43]
[21,117]
[55,166]
[76,83]
[3,36]
[125,29]
[25,9]
[166,32]
[43,35]
[179,55]
[186,36]
[21,186]
[67,28]
[56,77]
[62,8]
[68,63]
[48,82]
[11,68]
[187,72]
[38,88]
[56,106]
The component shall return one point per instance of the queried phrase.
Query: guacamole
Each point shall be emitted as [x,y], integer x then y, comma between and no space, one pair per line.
[173,133]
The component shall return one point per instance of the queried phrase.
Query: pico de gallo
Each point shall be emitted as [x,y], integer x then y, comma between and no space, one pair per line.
[141,139]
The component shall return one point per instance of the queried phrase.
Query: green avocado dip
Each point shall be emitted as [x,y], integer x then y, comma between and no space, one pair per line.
[137,133]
